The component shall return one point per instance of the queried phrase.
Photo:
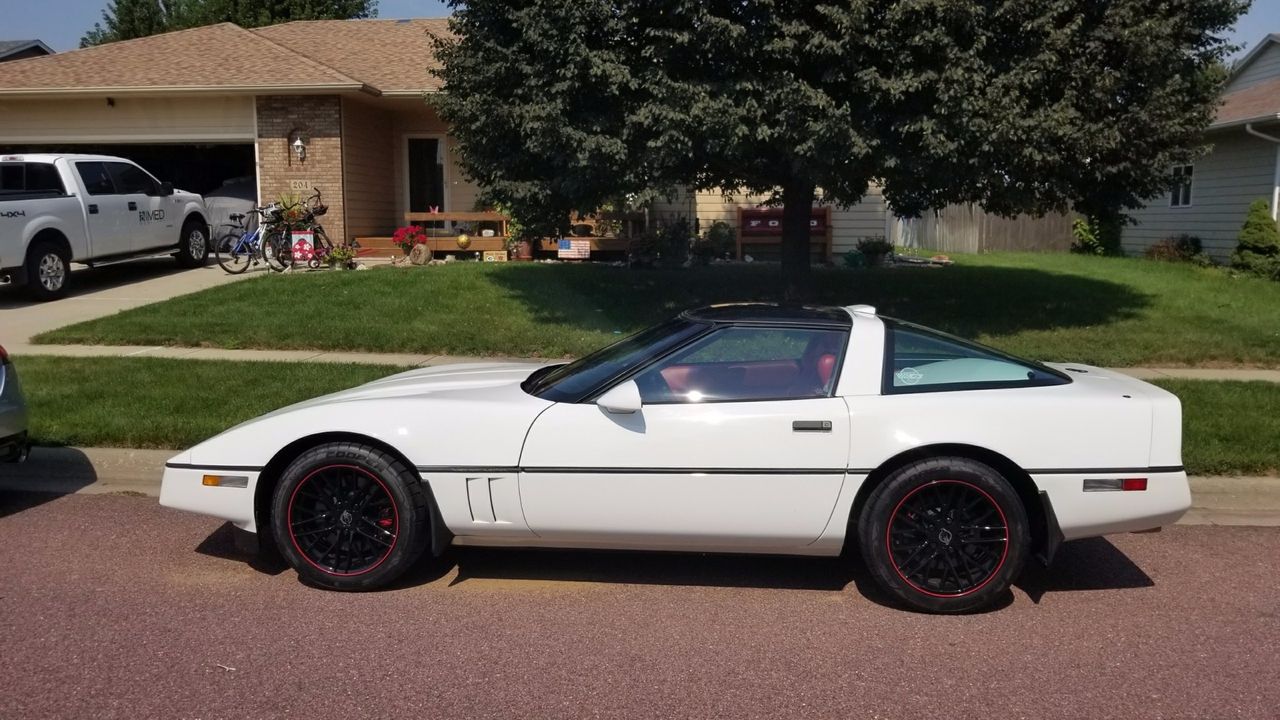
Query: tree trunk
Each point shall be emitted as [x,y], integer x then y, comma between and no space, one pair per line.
[797,206]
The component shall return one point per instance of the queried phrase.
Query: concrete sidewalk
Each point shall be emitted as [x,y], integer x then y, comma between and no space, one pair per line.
[1253,501]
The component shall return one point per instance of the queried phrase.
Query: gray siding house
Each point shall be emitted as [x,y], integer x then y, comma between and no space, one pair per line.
[1209,197]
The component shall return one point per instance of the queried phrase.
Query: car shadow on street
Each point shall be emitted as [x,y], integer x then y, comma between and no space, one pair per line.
[1090,564]
[48,474]
[86,280]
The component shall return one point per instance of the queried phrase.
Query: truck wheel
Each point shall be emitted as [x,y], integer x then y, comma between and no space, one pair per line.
[193,245]
[48,270]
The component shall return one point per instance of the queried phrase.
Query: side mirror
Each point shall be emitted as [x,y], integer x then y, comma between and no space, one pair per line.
[166,189]
[623,399]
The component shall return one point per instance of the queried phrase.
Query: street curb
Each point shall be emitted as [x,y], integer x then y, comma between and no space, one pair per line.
[1252,501]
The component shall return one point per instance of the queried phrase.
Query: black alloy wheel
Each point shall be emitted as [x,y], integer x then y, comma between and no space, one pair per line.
[349,516]
[945,535]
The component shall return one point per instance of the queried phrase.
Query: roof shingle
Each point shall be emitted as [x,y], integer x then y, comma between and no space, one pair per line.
[392,55]
[1256,102]
[215,57]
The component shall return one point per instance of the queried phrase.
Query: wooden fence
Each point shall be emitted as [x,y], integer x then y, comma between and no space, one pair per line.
[969,229]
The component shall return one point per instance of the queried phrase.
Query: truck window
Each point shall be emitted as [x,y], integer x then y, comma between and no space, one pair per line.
[30,179]
[96,179]
[132,180]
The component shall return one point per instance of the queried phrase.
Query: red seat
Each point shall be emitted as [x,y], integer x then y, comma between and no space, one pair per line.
[826,368]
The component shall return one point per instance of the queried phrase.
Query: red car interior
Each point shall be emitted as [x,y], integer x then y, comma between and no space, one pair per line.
[810,376]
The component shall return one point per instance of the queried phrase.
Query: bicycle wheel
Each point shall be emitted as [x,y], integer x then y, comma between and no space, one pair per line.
[233,254]
[276,250]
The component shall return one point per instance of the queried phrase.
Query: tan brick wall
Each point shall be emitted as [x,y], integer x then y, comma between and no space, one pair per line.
[319,117]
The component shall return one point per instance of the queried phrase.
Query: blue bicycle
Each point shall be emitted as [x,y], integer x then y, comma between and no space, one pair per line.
[240,248]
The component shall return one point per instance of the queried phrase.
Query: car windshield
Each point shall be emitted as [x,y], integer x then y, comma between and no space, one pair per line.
[576,380]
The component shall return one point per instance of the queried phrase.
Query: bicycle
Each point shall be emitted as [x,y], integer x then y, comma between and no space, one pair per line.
[279,251]
[240,248]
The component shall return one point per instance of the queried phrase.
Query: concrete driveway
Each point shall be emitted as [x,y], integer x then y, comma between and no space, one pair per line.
[101,291]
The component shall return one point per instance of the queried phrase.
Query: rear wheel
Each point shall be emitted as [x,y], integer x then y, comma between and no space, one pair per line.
[348,516]
[945,535]
[48,270]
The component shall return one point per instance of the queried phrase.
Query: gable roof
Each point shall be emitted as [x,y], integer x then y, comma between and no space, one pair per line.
[1256,103]
[317,56]
[13,47]
[395,56]
[1254,52]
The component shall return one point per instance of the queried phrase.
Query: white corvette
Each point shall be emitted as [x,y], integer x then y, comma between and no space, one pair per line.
[738,428]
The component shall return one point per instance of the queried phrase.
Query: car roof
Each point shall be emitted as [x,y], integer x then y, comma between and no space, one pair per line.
[771,314]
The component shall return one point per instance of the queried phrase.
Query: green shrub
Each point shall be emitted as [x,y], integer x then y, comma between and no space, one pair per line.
[1097,236]
[1258,248]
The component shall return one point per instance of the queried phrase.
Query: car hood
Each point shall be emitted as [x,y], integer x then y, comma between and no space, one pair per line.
[450,380]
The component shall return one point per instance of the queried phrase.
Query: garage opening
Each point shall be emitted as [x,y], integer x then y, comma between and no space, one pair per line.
[196,168]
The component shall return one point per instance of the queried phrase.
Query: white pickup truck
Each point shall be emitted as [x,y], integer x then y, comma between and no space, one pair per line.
[91,209]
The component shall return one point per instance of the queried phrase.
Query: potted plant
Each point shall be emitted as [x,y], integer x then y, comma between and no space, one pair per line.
[874,250]
[409,236]
[341,257]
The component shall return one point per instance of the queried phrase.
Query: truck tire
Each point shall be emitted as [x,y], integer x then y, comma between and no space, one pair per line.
[193,243]
[48,270]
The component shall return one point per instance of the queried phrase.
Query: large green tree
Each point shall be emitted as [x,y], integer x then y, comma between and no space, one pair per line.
[125,19]
[1017,105]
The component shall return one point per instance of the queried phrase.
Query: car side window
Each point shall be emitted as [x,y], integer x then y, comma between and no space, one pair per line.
[747,363]
[919,360]
[29,178]
[96,179]
[132,180]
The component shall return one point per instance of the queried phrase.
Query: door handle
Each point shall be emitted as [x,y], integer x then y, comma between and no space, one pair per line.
[93,209]
[133,205]
[811,426]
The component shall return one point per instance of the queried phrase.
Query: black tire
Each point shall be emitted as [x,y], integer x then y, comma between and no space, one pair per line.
[230,259]
[193,244]
[945,535]
[48,270]
[276,250]
[348,516]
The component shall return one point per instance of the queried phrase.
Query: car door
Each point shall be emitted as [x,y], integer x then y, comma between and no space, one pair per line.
[147,223]
[106,213]
[740,444]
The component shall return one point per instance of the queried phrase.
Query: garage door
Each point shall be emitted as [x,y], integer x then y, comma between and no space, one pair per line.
[192,119]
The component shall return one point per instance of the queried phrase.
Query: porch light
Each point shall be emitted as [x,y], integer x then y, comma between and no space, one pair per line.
[299,148]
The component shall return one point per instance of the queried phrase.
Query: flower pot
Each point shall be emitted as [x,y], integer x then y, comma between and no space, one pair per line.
[523,250]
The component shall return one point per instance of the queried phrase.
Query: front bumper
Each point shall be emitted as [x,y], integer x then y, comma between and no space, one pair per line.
[182,488]
[1084,514]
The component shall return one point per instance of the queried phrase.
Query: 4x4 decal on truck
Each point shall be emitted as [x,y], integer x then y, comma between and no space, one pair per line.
[13,213]
[146,216]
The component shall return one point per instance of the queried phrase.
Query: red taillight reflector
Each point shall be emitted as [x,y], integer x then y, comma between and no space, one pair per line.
[1133,484]
[4,355]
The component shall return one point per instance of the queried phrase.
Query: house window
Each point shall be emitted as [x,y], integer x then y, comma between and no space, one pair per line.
[1181,193]
[426,175]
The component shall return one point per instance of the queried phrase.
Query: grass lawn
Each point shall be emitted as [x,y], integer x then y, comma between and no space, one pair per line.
[1230,427]
[162,403]
[1104,311]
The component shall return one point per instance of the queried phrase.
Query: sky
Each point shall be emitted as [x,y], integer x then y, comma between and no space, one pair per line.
[60,23]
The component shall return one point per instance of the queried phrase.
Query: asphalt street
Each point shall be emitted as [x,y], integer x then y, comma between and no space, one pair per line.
[112,606]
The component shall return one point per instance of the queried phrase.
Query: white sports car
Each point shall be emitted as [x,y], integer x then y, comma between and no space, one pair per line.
[738,428]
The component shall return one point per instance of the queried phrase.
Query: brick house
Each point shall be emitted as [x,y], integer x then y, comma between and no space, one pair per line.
[209,104]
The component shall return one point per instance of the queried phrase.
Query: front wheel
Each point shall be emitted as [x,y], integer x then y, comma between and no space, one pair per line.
[945,535]
[233,254]
[348,516]
[193,245]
